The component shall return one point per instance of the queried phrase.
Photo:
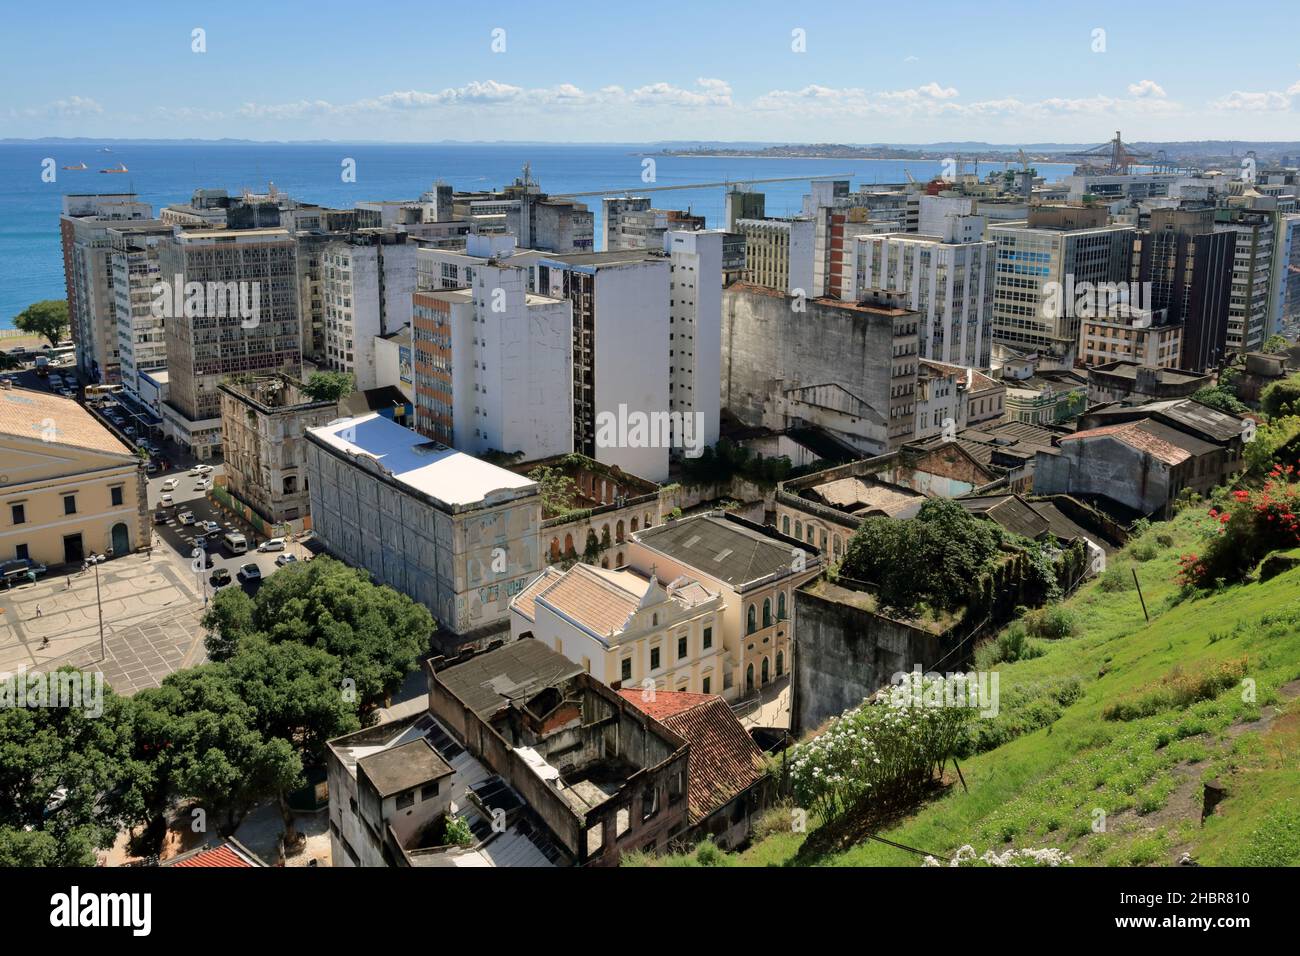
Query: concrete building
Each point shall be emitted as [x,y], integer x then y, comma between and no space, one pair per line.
[88,275]
[627,628]
[1046,396]
[367,282]
[1135,383]
[69,487]
[536,220]
[631,223]
[1059,248]
[141,335]
[620,352]
[1286,276]
[245,319]
[695,337]
[949,283]
[264,421]
[865,353]
[493,364]
[779,254]
[1141,336]
[453,532]
[1188,266]
[395,361]
[741,204]
[754,569]
[1250,302]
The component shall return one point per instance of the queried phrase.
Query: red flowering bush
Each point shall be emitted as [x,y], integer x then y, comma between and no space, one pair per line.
[1245,530]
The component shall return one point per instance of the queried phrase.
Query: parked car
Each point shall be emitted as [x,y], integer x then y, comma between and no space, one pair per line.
[209,526]
[271,544]
[170,484]
[20,569]
[200,470]
[186,517]
[250,572]
[129,430]
[160,517]
[151,468]
[286,558]
[166,500]
[220,576]
[203,484]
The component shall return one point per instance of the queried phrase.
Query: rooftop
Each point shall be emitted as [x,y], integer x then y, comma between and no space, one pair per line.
[515,671]
[54,420]
[429,467]
[723,547]
[1166,444]
[403,767]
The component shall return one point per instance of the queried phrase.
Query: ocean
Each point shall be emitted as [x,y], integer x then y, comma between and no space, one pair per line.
[32,264]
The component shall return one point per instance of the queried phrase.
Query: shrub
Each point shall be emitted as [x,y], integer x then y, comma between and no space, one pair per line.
[1247,528]
[1114,580]
[1179,689]
[1052,622]
[1012,645]
[458,833]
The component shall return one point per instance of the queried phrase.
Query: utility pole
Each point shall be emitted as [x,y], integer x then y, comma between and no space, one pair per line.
[103,653]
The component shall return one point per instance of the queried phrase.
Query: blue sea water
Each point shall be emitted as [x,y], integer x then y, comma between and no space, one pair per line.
[31,264]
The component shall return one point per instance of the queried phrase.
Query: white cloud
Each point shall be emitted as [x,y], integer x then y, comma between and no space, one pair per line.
[69,107]
[1242,101]
[1146,88]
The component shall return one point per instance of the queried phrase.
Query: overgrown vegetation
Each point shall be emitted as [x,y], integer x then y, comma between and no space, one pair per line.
[328,386]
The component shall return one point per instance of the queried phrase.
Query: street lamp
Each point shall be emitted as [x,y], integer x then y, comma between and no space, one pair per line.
[99,603]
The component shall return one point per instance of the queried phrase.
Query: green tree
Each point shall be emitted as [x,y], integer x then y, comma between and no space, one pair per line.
[68,779]
[1282,398]
[558,490]
[376,633]
[328,386]
[228,620]
[1275,345]
[1219,398]
[47,318]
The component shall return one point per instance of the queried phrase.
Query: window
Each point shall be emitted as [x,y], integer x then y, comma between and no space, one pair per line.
[626,671]
[681,647]
[429,790]
[69,504]
[18,513]
[115,494]
[780,606]
[654,658]
[751,620]
[705,684]
[20,553]
[708,638]
[767,612]
[406,799]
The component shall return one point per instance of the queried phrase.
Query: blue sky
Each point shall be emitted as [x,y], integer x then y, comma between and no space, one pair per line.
[645,71]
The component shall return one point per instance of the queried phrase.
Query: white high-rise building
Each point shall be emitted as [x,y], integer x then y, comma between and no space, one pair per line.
[141,335]
[367,282]
[695,328]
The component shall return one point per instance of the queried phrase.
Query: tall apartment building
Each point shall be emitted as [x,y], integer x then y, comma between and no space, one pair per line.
[88,275]
[493,365]
[695,326]
[740,204]
[1060,247]
[949,283]
[779,254]
[1189,267]
[313,228]
[237,268]
[620,351]
[141,334]
[630,223]
[535,219]
[1286,274]
[1141,336]
[367,282]
[1249,302]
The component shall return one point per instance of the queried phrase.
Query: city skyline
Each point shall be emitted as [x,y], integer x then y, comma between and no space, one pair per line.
[515,74]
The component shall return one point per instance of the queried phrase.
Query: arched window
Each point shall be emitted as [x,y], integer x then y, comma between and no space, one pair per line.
[648,522]
[798,529]
[767,612]
[618,531]
[751,620]
[766,675]
[568,544]
[837,545]
[749,679]
[619,563]
[634,527]
[780,606]
[555,549]
[811,532]
[780,663]
[785,524]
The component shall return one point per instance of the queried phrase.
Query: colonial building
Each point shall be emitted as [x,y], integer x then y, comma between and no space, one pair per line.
[68,487]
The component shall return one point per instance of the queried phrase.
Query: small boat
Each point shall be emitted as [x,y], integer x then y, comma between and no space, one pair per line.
[78,166]
[119,168]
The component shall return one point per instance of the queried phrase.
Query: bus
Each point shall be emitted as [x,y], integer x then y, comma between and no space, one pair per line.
[101,391]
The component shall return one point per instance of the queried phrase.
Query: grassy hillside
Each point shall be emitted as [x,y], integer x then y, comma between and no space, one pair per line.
[1124,719]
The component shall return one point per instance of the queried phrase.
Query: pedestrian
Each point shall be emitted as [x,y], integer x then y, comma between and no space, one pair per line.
[45,642]
[38,610]
[68,586]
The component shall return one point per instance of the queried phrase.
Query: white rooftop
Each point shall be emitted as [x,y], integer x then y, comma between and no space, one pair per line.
[442,473]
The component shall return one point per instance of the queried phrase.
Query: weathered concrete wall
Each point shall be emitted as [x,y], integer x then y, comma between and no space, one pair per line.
[845,653]
[1104,466]
[767,346]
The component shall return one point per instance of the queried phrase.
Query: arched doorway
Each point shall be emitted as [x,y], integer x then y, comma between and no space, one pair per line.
[121,539]
[780,663]
[749,679]
[766,675]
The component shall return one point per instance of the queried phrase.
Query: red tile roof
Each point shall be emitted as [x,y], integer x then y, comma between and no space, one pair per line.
[1136,436]
[223,855]
[723,760]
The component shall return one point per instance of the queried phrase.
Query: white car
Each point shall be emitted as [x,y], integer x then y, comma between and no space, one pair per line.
[170,484]
[200,470]
[186,517]
[271,544]
[166,501]
[203,484]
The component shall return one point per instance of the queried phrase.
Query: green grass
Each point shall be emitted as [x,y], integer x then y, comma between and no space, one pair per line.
[1063,766]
